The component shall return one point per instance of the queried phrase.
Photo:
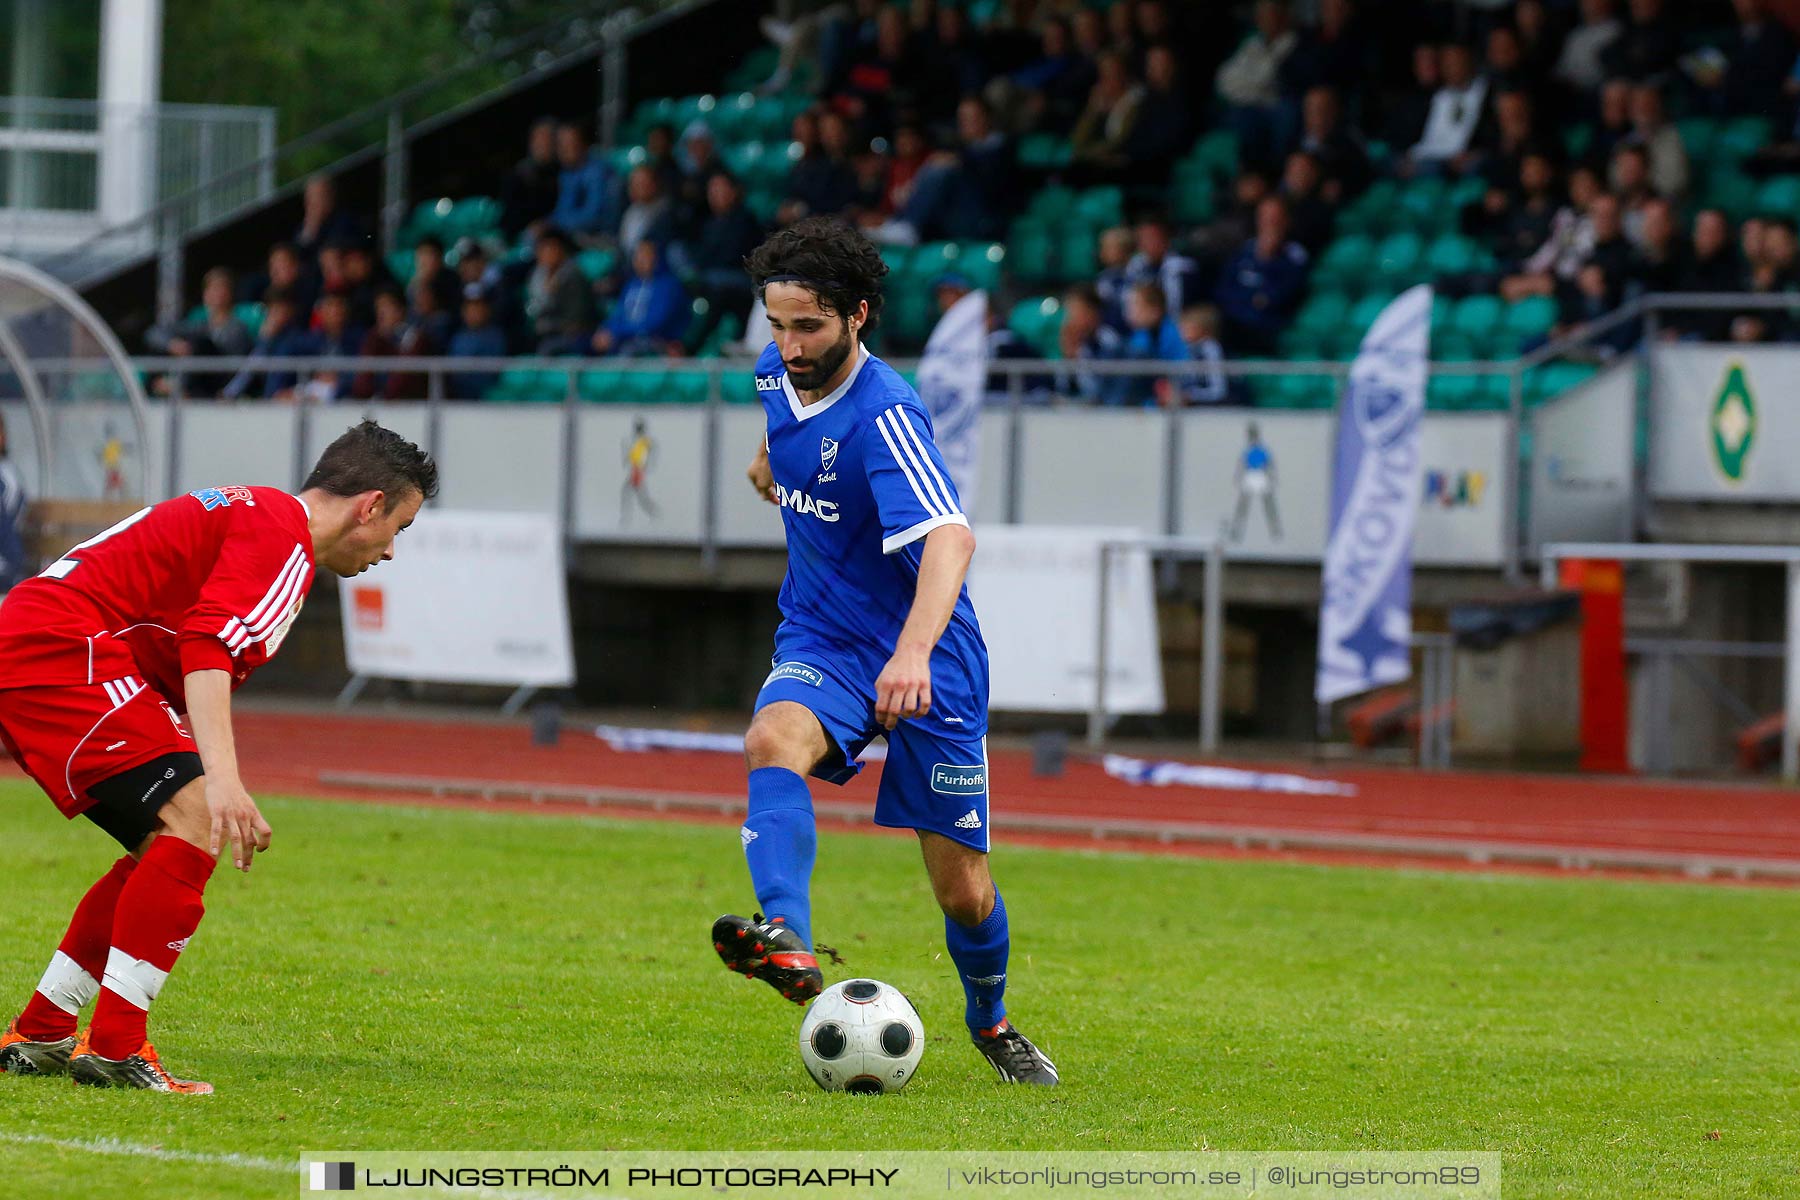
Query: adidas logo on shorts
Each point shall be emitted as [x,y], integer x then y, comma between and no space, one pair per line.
[969,820]
[747,834]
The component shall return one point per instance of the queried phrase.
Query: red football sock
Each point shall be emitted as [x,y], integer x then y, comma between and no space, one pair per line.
[73,975]
[158,912]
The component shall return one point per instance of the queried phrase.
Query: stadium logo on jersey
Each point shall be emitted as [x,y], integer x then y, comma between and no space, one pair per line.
[827,453]
[795,670]
[960,781]
[768,383]
[802,503]
[221,497]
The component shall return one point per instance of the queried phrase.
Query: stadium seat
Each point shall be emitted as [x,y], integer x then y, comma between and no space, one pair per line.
[739,387]
[1423,207]
[1698,137]
[1454,254]
[1452,393]
[1452,345]
[1078,252]
[1363,313]
[1346,264]
[1741,137]
[1217,152]
[596,263]
[527,384]
[1372,212]
[1323,312]
[1732,191]
[473,216]
[1779,196]
[1052,204]
[251,315]
[1101,206]
[400,266]
[1031,253]
[1479,317]
[1044,151]
[1038,321]
[1397,259]
[1530,317]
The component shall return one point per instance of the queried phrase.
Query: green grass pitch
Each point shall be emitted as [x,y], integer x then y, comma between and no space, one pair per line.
[395,978]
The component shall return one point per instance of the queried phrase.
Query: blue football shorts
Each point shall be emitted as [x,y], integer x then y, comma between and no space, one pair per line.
[936,775]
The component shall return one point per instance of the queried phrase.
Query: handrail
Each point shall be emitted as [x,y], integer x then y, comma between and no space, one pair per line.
[381,110]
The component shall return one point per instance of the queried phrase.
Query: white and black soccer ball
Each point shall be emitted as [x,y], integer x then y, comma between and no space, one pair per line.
[862,1035]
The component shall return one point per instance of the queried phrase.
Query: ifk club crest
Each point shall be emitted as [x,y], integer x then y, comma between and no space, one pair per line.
[1732,423]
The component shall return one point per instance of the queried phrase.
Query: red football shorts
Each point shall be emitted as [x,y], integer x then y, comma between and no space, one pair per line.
[71,738]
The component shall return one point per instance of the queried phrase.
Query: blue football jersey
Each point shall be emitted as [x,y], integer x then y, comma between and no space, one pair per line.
[861,483]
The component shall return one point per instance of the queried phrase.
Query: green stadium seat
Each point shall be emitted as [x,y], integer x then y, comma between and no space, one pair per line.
[1741,137]
[251,315]
[1101,206]
[473,216]
[1372,212]
[1699,135]
[1423,206]
[1732,191]
[1553,379]
[400,266]
[745,158]
[1217,152]
[1192,201]
[1453,254]
[1443,312]
[1453,345]
[1576,140]
[1363,313]
[1530,317]
[1031,251]
[1045,151]
[1479,317]
[739,387]
[1078,252]
[1780,196]
[596,263]
[1452,393]
[1307,345]
[527,384]
[1323,312]
[1038,321]
[1052,205]
[1346,263]
[1397,258]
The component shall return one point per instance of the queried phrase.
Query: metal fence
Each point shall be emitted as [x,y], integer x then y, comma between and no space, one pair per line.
[65,159]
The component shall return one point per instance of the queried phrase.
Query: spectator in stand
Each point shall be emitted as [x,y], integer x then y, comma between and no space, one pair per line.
[1218,241]
[322,221]
[1580,65]
[336,338]
[362,277]
[1121,36]
[1651,129]
[1774,269]
[1453,123]
[1116,248]
[1506,68]
[287,274]
[473,266]
[428,266]
[1516,223]
[1403,122]
[1199,325]
[649,217]
[1614,128]
[1648,47]
[883,77]
[1339,148]
[824,180]
[699,161]
[1161,129]
[1713,266]
[911,151]
[429,323]
[715,259]
[558,302]
[283,335]
[1152,337]
[529,191]
[1249,82]
[1514,135]
[659,156]
[1629,179]
[1335,55]
[963,194]
[1758,58]
[585,208]
[478,338]
[1662,260]
[1539,44]
[214,331]
[652,313]
[1594,293]
[1085,337]
[1048,92]
[1302,188]
[1259,289]
[950,69]
[1156,262]
[1102,135]
[382,341]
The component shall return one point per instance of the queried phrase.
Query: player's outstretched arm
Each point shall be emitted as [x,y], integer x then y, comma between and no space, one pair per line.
[903,689]
[762,476]
[234,813]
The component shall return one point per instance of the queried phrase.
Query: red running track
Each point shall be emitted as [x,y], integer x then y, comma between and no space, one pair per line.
[286,752]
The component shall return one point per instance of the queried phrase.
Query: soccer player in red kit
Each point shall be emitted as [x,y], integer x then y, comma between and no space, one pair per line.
[167,613]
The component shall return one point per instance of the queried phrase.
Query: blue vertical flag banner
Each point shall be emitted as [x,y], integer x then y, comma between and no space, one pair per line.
[1365,617]
[952,381]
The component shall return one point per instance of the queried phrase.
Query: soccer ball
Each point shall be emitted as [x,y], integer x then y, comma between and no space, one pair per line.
[861,1036]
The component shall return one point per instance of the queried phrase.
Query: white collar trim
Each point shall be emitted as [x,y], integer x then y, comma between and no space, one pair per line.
[804,411]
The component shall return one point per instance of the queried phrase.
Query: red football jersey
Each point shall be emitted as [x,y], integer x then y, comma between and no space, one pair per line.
[213,579]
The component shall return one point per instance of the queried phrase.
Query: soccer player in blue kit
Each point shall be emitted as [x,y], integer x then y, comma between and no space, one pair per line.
[877,637]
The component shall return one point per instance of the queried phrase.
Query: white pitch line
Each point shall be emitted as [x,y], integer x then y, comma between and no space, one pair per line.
[133,1150]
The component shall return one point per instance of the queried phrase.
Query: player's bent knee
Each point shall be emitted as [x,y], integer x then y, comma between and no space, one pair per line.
[784,734]
[185,816]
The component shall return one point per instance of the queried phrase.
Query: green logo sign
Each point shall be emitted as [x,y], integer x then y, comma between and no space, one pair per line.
[1733,423]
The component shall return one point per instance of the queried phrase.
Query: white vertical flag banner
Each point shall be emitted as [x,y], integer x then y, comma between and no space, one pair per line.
[1365,618]
[471,597]
[952,381]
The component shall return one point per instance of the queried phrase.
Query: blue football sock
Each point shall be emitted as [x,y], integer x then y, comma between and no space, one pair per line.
[979,952]
[779,843]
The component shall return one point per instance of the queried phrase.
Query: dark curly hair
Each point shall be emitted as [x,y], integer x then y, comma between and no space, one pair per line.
[369,458]
[830,259]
